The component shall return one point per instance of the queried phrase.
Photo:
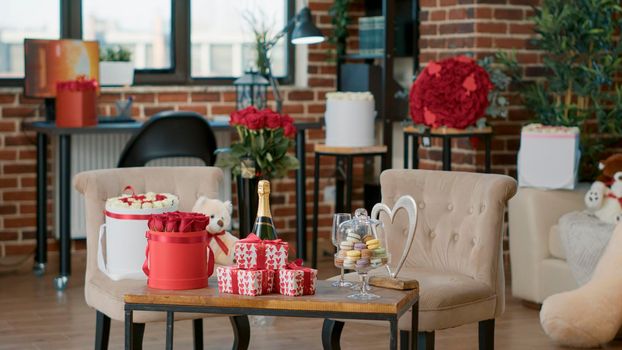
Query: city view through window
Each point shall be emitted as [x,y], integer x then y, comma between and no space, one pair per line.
[222,43]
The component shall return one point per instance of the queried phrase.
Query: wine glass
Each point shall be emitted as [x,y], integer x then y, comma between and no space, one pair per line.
[338,219]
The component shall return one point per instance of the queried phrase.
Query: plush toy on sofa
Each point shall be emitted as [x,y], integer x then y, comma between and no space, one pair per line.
[605,196]
[592,314]
[221,242]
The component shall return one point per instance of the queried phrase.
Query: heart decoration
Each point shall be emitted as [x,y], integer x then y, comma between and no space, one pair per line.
[406,203]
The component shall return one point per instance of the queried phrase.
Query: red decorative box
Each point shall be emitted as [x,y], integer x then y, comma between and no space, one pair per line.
[244,282]
[76,103]
[254,253]
[295,280]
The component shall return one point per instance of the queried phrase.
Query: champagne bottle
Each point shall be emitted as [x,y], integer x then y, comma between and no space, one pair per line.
[264,227]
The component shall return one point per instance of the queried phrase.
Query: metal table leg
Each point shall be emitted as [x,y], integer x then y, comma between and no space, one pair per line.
[64,186]
[348,180]
[406,138]
[41,256]
[414,325]
[301,197]
[169,329]
[316,200]
[129,331]
[415,155]
[339,183]
[446,153]
[393,334]
[487,144]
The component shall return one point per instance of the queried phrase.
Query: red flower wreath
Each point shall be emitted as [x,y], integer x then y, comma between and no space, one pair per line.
[452,92]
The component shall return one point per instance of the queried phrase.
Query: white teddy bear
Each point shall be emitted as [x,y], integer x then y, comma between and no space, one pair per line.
[221,241]
[606,202]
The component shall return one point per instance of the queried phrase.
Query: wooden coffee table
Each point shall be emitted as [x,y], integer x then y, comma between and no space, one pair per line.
[328,303]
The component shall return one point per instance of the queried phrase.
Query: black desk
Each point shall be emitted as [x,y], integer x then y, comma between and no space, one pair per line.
[46,129]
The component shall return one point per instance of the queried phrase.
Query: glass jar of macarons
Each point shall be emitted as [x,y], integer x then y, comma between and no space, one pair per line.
[361,250]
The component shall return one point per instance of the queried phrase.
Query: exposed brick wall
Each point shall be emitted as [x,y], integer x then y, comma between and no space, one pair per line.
[480,28]
[448,27]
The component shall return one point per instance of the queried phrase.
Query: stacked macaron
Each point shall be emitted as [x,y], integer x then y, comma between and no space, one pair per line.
[358,252]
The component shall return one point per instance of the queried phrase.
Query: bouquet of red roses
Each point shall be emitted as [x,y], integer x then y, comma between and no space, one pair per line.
[178,222]
[264,138]
[452,92]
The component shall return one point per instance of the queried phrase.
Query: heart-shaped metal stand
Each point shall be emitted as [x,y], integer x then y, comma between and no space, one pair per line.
[408,204]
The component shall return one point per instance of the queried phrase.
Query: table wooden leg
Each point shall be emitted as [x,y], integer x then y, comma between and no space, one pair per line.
[197,330]
[446,153]
[414,325]
[349,180]
[170,327]
[241,332]
[316,203]
[406,145]
[331,334]
[487,150]
[301,197]
[129,331]
[393,334]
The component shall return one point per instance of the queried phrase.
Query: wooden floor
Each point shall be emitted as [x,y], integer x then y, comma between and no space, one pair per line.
[34,316]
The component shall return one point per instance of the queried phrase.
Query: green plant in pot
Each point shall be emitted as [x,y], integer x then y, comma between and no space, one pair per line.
[116,67]
[582,56]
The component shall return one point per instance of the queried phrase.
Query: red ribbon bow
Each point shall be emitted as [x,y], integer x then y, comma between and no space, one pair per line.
[219,241]
[611,195]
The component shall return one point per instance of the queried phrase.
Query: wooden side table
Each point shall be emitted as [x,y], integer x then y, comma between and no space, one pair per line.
[446,134]
[346,155]
[330,303]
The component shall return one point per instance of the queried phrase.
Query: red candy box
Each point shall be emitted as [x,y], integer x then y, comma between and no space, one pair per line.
[254,253]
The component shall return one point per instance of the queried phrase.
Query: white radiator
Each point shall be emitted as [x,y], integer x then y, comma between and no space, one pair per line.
[102,151]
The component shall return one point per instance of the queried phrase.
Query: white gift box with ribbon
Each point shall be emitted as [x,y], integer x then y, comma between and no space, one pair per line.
[122,241]
[549,157]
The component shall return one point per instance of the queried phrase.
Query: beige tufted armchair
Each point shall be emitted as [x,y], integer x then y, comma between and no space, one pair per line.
[456,254]
[106,295]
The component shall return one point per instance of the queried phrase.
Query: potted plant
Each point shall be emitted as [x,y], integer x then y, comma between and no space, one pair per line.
[582,58]
[116,67]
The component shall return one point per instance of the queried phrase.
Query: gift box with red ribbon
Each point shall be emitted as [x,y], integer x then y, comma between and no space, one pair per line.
[295,280]
[177,255]
[254,253]
[233,280]
[76,103]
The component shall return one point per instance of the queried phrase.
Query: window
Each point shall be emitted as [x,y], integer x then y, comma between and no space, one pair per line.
[141,26]
[171,41]
[222,35]
[19,21]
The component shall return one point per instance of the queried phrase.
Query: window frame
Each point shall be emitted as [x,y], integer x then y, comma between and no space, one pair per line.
[180,72]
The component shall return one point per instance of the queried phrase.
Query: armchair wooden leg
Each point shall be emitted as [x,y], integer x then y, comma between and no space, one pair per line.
[102,331]
[487,335]
[404,340]
[137,337]
[425,340]
[197,330]
[241,332]
[331,334]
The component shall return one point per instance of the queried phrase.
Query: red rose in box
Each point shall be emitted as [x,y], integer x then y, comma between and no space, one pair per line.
[254,253]
[244,282]
[177,251]
[75,103]
[295,280]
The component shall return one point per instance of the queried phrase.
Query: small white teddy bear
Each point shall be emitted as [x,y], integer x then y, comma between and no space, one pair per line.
[221,241]
[606,202]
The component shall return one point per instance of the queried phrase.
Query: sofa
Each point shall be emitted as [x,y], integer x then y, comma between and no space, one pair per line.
[537,257]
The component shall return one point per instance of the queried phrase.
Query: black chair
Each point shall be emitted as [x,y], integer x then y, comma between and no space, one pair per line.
[170,134]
